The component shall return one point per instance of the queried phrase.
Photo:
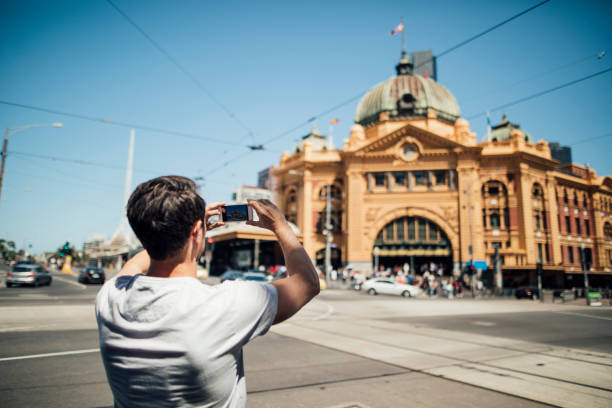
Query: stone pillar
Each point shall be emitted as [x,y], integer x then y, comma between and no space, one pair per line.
[525,205]
[356,254]
[307,229]
[553,222]
[452,183]
[430,182]
[389,181]
[370,181]
[409,180]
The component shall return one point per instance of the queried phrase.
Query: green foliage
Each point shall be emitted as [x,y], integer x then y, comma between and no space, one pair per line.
[7,250]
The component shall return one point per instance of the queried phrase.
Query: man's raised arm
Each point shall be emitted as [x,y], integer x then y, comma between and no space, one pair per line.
[302,282]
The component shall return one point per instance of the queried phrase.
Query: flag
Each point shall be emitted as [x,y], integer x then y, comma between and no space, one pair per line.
[398,29]
[334,122]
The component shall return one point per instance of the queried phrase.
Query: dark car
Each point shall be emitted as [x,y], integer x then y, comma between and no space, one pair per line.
[92,274]
[529,293]
[28,274]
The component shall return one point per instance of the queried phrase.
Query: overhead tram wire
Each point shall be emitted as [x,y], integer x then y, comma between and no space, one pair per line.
[597,55]
[119,123]
[181,68]
[538,94]
[447,51]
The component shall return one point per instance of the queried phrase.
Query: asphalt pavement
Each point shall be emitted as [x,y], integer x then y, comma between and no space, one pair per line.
[345,349]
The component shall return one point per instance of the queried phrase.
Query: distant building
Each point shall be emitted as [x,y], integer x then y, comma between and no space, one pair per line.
[412,185]
[93,244]
[244,193]
[424,64]
[561,153]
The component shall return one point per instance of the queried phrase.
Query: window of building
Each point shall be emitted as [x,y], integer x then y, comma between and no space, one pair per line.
[570,252]
[389,236]
[484,218]
[565,196]
[334,192]
[607,230]
[379,179]
[587,228]
[507,244]
[399,229]
[422,230]
[578,229]
[433,232]
[493,190]
[547,253]
[544,220]
[411,229]
[400,178]
[494,220]
[506,217]
[610,257]
[575,199]
[537,222]
[440,177]
[585,203]
[568,225]
[419,178]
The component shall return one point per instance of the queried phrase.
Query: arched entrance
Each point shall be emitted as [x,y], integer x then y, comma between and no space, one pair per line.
[415,241]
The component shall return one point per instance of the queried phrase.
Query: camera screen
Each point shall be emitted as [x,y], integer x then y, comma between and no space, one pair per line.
[235,213]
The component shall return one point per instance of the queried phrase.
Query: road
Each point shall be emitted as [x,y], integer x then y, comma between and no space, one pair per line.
[345,349]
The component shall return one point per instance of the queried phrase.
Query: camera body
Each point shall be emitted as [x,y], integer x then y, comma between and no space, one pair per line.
[236,213]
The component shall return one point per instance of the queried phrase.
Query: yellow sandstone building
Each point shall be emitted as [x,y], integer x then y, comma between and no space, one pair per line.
[412,185]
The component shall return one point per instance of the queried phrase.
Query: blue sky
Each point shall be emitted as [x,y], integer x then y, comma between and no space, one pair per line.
[273,65]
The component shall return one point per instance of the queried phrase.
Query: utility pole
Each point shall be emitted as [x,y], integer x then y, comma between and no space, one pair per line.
[4,145]
[498,272]
[539,270]
[328,233]
[584,270]
[471,247]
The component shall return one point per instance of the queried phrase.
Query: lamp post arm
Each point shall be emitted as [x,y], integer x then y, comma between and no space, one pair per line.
[4,147]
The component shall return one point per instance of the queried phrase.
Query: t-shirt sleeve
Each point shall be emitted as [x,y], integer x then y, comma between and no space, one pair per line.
[253,310]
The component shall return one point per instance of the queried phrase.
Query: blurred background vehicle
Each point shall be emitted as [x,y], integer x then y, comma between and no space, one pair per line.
[92,274]
[530,293]
[230,274]
[28,274]
[254,276]
[389,287]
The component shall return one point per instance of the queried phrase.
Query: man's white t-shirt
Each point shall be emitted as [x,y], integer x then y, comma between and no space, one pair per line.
[175,342]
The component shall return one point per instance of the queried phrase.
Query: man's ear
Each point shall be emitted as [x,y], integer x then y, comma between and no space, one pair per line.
[198,227]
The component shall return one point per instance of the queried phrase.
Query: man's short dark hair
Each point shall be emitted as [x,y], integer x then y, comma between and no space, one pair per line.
[162,212]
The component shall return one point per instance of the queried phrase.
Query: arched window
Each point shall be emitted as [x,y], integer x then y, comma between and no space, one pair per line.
[291,206]
[334,192]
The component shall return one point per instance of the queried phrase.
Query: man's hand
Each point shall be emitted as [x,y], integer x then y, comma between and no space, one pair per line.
[270,217]
[212,210]
[302,283]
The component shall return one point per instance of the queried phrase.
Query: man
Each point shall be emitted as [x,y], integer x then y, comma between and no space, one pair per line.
[168,340]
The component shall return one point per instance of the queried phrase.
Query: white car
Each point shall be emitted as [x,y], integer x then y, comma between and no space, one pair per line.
[389,287]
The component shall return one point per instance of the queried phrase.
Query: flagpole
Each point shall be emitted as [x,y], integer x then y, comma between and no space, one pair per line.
[403,38]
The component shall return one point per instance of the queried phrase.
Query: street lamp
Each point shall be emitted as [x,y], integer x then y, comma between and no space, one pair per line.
[376,252]
[11,131]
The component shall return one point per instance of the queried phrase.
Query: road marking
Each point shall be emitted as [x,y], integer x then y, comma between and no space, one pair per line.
[80,285]
[584,315]
[330,310]
[61,353]
[483,323]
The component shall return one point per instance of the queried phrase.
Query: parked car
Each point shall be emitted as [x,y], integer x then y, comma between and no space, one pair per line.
[92,274]
[230,274]
[28,274]
[529,293]
[389,287]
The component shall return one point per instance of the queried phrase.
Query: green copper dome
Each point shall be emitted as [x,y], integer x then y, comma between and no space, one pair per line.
[407,96]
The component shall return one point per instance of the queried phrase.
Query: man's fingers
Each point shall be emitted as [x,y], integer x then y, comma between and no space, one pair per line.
[214,206]
[215,225]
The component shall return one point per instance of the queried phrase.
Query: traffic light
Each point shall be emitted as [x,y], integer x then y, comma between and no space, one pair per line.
[65,251]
